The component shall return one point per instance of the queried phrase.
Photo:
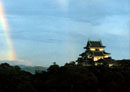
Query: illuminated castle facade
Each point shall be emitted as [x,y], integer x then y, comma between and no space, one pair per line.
[94,52]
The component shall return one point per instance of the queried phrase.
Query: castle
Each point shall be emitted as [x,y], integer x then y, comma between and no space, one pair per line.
[94,52]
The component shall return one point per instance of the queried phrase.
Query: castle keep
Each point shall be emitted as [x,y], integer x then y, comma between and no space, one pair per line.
[94,52]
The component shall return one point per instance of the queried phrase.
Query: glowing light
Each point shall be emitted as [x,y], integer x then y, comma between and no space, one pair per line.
[5,27]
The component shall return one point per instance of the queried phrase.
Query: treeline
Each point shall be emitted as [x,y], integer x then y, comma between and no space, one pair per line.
[68,78]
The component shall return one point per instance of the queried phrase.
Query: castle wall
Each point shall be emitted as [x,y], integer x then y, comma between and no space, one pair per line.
[94,49]
[96,58]
[106,56]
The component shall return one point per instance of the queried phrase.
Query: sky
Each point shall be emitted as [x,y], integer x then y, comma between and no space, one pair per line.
[47,31]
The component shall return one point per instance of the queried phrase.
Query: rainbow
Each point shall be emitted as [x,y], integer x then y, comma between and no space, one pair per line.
[5,28]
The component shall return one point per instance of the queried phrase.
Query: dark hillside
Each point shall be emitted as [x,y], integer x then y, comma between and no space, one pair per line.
[68,78]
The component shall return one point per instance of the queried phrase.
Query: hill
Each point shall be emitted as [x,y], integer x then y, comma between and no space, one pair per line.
[71,77]
[33,69]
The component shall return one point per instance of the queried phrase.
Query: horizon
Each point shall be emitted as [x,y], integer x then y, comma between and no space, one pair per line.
[40,32]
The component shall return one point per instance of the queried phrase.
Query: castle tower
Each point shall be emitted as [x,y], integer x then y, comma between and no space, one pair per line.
[94,52]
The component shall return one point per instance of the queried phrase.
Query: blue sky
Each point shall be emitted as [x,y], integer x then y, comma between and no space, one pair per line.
[47,31]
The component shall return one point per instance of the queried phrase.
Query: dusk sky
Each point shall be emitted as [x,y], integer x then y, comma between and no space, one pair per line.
[47,31]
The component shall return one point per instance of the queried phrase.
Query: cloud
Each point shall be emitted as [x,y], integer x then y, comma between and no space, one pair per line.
[114,24]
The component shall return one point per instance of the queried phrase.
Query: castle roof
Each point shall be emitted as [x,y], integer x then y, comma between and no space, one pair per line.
[94,44]
[106,52]
[97,53]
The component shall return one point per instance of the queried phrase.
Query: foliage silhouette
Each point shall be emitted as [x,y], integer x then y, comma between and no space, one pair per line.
[71,77]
